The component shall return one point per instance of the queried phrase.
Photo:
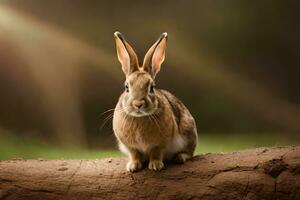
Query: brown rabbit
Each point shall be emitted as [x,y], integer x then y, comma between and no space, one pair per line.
[151,125]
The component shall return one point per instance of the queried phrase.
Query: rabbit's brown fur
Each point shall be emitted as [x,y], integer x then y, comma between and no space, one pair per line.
[151,126]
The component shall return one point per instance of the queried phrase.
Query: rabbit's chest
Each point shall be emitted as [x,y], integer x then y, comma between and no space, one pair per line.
[143,139]
[143,142]
[141,135]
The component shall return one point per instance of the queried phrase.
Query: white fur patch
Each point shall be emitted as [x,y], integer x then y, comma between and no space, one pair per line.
[144,148]
[123,149]
[178,143]
[176,146]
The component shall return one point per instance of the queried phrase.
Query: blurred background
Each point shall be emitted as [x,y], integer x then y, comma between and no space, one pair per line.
[235,64]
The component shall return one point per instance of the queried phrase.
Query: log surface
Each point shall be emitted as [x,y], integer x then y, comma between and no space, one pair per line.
[263,173]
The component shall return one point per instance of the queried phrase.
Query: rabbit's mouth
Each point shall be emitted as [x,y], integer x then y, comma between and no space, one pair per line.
[141,113]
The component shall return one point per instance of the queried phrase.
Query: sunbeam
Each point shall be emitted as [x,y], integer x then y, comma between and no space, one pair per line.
[54,58]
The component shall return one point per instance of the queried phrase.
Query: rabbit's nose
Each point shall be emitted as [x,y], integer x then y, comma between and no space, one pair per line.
[138,103]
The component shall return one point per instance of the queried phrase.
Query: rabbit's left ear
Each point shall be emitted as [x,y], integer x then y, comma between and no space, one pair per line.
[155,55]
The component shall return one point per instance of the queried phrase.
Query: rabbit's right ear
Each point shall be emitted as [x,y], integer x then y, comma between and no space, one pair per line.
[126,54]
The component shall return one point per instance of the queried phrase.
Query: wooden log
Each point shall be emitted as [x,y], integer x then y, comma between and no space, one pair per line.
[263,173]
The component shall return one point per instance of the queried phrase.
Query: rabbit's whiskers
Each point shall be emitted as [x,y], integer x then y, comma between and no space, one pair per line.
[110,115]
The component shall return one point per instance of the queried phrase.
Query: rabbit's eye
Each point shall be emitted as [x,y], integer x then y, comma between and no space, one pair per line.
[152,89]
[126,88]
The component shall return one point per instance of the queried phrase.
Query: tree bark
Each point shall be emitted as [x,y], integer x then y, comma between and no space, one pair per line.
[263,173]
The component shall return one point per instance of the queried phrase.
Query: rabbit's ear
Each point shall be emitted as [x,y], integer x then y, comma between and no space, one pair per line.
[126,55]
[155,55]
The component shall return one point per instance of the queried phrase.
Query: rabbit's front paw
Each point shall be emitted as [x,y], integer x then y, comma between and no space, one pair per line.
[133,166]
[156,165]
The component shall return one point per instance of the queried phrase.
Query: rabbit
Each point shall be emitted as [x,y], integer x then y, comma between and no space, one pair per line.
[151,125]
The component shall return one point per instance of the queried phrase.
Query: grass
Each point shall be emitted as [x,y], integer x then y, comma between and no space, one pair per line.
[233,142]
[12,146]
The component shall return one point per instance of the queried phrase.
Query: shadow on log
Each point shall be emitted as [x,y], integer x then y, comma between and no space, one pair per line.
[263,173]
